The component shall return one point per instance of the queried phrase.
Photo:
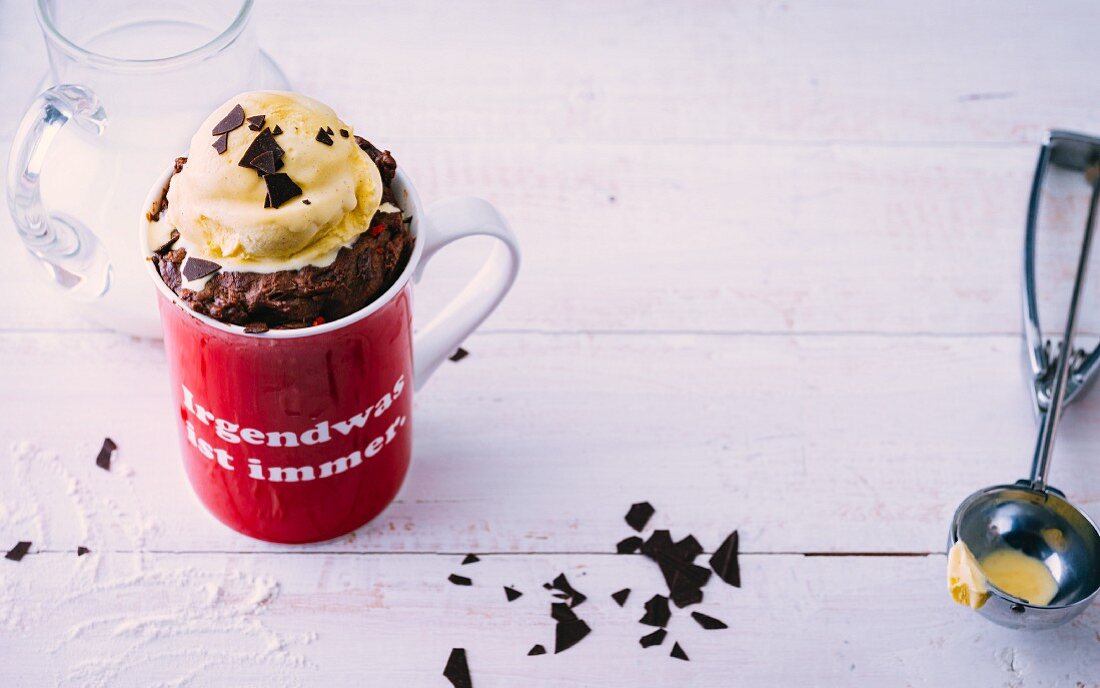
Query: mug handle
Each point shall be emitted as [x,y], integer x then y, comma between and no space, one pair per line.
[72,252]
[448,221]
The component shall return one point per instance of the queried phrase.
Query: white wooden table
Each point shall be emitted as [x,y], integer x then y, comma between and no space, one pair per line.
[771,284]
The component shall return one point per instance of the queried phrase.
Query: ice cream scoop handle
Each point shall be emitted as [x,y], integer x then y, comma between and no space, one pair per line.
[448,221]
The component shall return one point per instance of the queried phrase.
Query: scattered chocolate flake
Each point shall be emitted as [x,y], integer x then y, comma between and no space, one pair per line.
[512,594]
[686,596]
[19,551]
[256,328]
[103,459]
[470,559]
[724,561]
[684,578]
[457,670]
[620,597]
[221,144]
[678,652]
[256,122]
[197,268]
[459,580]
[280,189]
[277,130]
[172,239]
[264,163]
[234,119]
[656,612]
[324,137]
[689,548]
[639,515]
[569,633]
[562,583]
[548,586]
[629,546]
[459,354]
[537,649]
[264,141]
[708,622]
[560,612]
[560,596]
[81,551]
[307,201]
[344,133]
[655,638]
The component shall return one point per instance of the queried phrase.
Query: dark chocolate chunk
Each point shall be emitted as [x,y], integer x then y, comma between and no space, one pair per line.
[329,131]
[19,551]
[221,144]
[560,596]
[234,119]
[407,220]
[561,612]
[724,561]
[686,596]
[82,550]
[512,594]
[629,546]
[537,649]
[659,541]
[708,622]
[280,189]
[470,559]
[172,239]
[569,633]
[264,142]
[264,163]
[548,586]
[459,354]
[639,515]
[256,123]
[620,597]
[197,268]
[307,201]
[277,130]
[324,137]
[256,328]
[344,133]
[103,458]
[656,612]
[457,670]
[678,652]
[655,638]
[459,580]
[561,583]
[688,548]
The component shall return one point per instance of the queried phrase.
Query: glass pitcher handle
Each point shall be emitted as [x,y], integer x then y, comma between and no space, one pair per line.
[66,247]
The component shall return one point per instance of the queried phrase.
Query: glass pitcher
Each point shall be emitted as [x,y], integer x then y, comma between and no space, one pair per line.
[128,84]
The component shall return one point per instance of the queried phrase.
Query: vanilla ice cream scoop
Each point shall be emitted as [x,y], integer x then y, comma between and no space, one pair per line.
[273,180]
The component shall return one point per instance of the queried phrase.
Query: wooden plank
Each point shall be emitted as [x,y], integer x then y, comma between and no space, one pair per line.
[286,619]
[539,443]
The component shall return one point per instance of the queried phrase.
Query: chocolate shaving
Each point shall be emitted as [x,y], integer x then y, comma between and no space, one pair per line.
[459,580]
[689,548]
[197,268]
[277,130]
[103,459]
[512,594]
[81,551]
[264,163]
[724,561]
[307,201]
[708,622]
[620,597]
[639,515]
[324,137]
[172,239]
[537,649]
[459,354]
[629,546]
[656,612]
[655,638]
[470,559]
[221,144]
[686,596]
[560,612]
[234,119]
[568,634]
[19,551]
[256,122]
[280,189]
[256,328]
[264,142]
[678,652]
[562,583]
[344,133]
[457,670]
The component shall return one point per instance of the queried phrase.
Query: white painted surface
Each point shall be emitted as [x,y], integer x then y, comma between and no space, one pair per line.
[828,362]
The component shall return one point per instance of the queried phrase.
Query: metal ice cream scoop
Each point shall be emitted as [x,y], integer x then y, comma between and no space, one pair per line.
[1030,516]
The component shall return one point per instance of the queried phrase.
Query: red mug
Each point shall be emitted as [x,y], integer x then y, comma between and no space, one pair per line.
[303,435]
